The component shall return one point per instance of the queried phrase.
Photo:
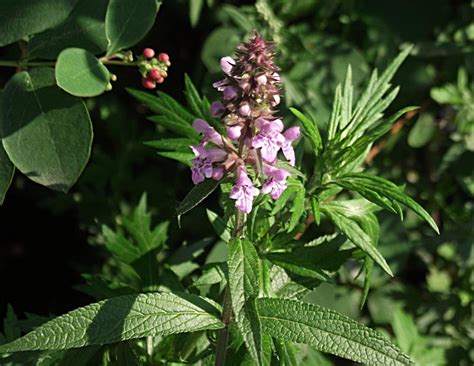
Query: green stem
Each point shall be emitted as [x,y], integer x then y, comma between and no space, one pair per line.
[223,334]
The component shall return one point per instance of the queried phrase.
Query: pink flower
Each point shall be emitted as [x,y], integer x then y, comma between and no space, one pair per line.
[269,138]
[276,182]
[220,85]
[243,192]
[234,132]
[202,166]
[227,63]
[290,135]
[209,134]
[244,109]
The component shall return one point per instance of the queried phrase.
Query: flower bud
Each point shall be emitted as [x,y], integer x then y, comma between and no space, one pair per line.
[113,77]
[163,57]
[148,53]
[148,83]
[217,109]
[227,63]
[230,92]
[262,79]
[234,132]
[155,74]
[244,109]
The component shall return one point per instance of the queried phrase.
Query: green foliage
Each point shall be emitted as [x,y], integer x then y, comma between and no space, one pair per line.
[327,331]
[51,142]
[83,28]
[34,19]
[7,170]
[118,319]
[81,74]
[127,22]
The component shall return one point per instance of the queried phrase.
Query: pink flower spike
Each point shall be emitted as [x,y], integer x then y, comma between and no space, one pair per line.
[217,109]
[234,132]
[243,192]
[208,132]
[227,63]
[290,135]
[230,92]
[276,183]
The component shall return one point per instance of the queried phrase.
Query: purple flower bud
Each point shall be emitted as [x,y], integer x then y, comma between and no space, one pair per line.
[243,192]
[227,63]
[217,109]
[276,100]
[244,109]
[220,85]
[234,132]
[230,92]
[217,173]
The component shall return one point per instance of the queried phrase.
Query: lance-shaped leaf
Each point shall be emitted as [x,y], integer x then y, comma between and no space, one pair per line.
[244,284]
[328,331]
[7,170]
[119,319]
[197,195]
[346,215]
[370,186]
[310,128]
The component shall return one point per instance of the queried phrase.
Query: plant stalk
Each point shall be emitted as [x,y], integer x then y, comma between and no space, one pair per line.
[223,334]
[12,63]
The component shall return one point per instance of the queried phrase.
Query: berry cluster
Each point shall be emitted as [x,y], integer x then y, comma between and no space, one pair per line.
[250,93]
[153,69]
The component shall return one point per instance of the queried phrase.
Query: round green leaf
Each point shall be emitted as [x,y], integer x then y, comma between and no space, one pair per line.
[422,131]
[80,73]
[83,28]
[46,133]
[21,18]
[128,21]
[7,170]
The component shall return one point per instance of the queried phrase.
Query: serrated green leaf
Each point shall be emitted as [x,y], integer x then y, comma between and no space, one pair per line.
[119,319]
[364,184]
[35,17]
[128,21]
[176,126]
[297,209]
[328,331]
[219,225]
[175,144]
[216,273]
[83,28]
[310,128]
[298,265]
[344,215]
[50,140]
[316,210]
[244,284]
[80,73]
[196,195]
[182,157]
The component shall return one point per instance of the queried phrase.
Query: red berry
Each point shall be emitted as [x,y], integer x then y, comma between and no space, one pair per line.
[155,74]
[148,83]
[163,57]
[148,53]
[160,79]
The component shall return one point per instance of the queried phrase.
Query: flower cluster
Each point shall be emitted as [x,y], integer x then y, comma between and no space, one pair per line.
[254,135]
[153,69]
